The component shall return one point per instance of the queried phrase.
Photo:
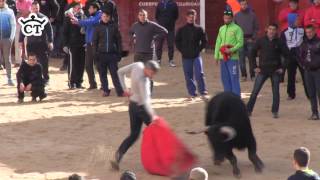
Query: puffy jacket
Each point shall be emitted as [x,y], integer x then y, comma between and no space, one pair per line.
[229,34]
[7,23]
[72,34]
[107,39]
[90,24]
[167,14]
[313,13]
[283,17]
[310,53]
[190,40]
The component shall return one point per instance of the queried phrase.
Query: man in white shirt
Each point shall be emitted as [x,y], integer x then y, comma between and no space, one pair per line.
[140,110]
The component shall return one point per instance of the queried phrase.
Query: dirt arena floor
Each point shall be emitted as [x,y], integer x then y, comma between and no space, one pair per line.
[77,131]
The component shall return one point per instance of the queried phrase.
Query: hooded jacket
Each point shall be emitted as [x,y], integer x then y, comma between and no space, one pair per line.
[50,8]
[30,74]
[89,24]
[107,39]
[313,13]
[229,34]
[7,23]
[310,54]
[167,13]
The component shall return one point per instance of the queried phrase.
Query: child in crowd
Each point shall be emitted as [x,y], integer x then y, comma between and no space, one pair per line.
[301,159]
[29,78]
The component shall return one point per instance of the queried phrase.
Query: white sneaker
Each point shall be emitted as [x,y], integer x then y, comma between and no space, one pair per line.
[171,64]
[10,82]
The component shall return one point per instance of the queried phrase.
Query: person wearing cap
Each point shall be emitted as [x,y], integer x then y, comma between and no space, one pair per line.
[312,16]
[140,110]
[198,174]
[229,42]
[248,22]
[293,38]
[128,175]
[190,41]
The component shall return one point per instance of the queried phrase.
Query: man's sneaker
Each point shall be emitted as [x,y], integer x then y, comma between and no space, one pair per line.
[43,96]
[79,86]
[106,93]
[171,64]
[10,82]
[92,87]
[20,101]
[275,115]
[1,68]
[34,99]
[72,86]
[314,117]
[159,62]
[114,165]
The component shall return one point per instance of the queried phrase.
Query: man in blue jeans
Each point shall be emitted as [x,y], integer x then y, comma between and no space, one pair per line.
[270,49]
[190,41]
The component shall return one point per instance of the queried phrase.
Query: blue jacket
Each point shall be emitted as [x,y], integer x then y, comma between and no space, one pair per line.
[90,24]
[7,23]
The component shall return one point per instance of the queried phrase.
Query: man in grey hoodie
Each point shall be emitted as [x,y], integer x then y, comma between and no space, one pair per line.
[248,22]
[7,33]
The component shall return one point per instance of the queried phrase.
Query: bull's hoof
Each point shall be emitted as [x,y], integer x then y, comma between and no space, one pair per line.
[259,167]
[218,162]
[236,173]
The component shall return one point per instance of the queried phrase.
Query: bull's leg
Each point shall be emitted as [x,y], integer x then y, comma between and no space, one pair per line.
[218,159]
[233,160]
[254,158]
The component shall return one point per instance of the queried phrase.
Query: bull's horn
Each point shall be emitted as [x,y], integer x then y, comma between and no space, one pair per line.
[203,130]
[229,131]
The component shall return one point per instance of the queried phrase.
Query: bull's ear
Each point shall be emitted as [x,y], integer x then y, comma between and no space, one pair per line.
[229,131]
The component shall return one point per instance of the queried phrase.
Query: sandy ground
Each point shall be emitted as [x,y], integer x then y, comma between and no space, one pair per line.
[78,130]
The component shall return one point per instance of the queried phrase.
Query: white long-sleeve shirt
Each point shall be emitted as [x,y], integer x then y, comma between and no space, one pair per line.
[140,85]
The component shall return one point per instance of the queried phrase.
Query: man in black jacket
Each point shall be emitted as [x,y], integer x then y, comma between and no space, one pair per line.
[40,45]
[107,45]
[310,61]
[190,41]
[29,78]
[167,13]
[270,49]
[74,41]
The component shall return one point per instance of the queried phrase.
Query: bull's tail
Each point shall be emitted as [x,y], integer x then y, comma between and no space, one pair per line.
[200,131]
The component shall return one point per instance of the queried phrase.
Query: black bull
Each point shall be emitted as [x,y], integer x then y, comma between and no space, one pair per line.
[227,127]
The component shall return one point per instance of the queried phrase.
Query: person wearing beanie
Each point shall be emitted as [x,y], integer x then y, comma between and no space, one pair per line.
[198,174]
[128,175]
[230,34]
[293,38]
[312,16]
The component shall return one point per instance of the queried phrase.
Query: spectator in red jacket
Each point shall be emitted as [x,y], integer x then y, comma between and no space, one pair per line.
[293,8]
[312,16]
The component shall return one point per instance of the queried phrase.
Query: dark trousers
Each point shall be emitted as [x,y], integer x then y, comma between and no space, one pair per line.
[260,80]
[293,65]
[58,37]
[109,61]
[170,41]
[138,116]
[194,68]
[313,87]
[245,52]
[41,51]
[36,91]
[90,65]
[76,65]
[144,57]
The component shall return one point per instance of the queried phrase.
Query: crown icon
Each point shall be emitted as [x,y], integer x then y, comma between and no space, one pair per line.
[32,25]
